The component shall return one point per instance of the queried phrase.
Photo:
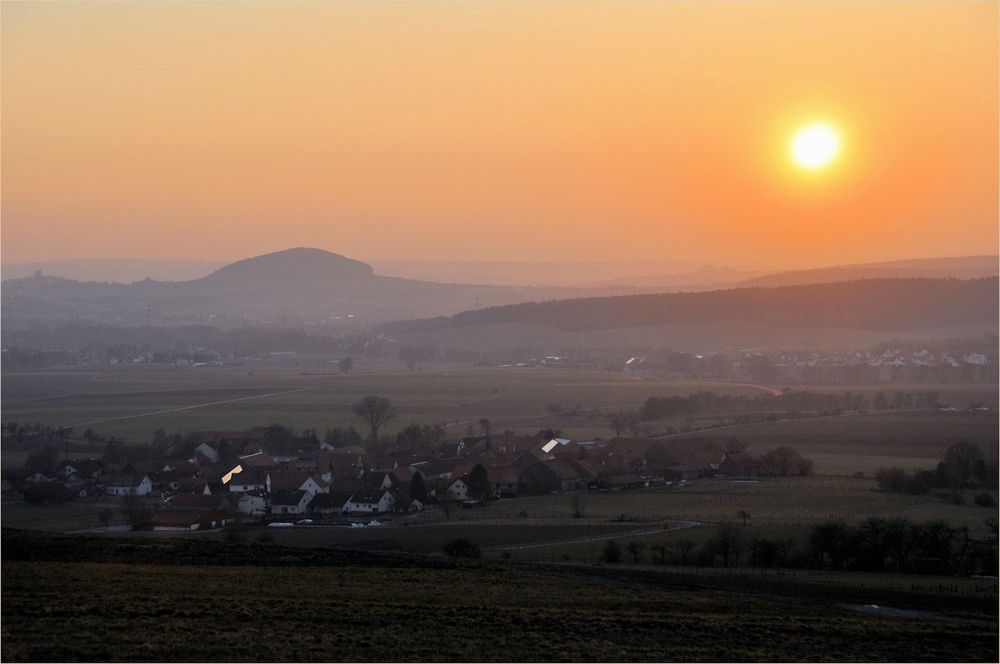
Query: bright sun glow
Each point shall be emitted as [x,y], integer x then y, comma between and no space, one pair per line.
[815,146]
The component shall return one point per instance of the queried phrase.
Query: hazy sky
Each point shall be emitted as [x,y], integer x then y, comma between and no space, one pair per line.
[498,131]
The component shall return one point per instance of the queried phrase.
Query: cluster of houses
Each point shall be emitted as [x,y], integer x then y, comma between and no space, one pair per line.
[891,365]
[209,489]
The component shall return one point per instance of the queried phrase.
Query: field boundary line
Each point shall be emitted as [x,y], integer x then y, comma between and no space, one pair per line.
[192,407]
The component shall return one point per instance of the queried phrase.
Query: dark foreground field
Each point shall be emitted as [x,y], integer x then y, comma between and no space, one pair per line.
[86,598]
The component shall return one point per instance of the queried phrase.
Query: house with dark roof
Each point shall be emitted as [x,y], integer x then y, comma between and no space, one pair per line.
[187,520]
[290,501]
[335,467]
[253,503]
[129,485]
[328,504]
[637,455]
[550,476]
[198,502]
[85,469]
[505,479]
[452,450]
[246,480]
[258,461]
[370,501]
[683,472]
[703,451]
[622,482]
[739,465]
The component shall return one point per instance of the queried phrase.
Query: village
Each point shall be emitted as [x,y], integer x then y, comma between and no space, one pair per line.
[237,477]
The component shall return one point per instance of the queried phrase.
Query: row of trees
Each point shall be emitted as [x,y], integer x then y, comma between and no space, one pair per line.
[789,401]
[874,545]
[963,466]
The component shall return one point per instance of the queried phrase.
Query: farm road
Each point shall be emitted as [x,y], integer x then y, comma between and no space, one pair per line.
[676,525]
[192,407]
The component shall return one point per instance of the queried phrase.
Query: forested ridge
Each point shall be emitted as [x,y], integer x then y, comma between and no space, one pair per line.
[888,304]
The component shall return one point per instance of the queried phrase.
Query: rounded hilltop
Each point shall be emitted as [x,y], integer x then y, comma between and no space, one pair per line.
[298,265]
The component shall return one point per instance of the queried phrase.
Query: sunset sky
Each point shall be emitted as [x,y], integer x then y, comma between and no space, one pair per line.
[499,131]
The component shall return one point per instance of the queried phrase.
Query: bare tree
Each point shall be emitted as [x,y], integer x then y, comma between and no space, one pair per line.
[375,411]
[684,548]
[635,550]
[577,504]
[622,420]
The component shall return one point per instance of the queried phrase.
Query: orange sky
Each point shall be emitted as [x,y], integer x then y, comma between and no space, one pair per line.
[498,131]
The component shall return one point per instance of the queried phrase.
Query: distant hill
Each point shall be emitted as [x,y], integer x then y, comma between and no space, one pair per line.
[291,267]
[961,267]
[634,276]
[299,286]
[787,316]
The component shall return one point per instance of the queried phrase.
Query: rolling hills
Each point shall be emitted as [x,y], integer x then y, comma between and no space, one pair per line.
[841,313]
[300,286]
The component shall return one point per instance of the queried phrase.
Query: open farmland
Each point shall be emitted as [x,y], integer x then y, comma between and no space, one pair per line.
[160,601]
[846,444]
[130,402]
[792,500]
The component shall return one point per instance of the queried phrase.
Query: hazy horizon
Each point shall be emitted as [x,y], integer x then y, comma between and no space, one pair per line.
[571,273]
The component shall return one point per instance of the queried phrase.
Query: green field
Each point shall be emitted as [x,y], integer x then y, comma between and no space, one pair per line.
[188,601]
[125,401]
[843,445]
[797,500]
[132,401]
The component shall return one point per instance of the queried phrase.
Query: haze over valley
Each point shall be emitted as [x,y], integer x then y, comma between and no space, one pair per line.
[488,331]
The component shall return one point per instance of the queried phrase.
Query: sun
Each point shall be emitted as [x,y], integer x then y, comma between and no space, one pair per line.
[815,146]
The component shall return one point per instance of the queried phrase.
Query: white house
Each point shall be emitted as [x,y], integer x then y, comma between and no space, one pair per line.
[370,501]
[313,487]
[129,485]
[253,504]
[459,488]
[290,502]
[245,481]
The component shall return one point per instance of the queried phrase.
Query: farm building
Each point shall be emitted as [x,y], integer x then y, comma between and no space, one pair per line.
[185,520]
[550,475]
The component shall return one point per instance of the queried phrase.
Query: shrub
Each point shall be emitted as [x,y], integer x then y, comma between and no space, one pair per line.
[986,500]
[462,548]
[612,552]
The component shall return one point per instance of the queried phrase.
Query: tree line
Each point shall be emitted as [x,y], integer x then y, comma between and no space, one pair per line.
[889,304]
[873,545]
[963,466]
